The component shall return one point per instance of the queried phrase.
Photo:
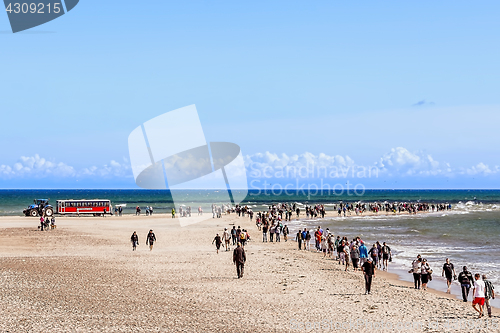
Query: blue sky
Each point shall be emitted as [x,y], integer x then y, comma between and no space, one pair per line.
[351,79]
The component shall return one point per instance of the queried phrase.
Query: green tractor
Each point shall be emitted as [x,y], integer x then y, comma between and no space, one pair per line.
[41,207]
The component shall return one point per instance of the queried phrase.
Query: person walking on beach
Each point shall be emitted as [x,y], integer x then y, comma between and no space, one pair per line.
[150,239]
[489,293]
[368,269]
[317,237]
[355,257]
[218,242]
[386,254]
[379,259]
[285,232]
[449,271]
[135,241]
[42,222]
[307,240]
[417,271]
[425,272]
[173,213]
[324,245]
[239,259]
[264,233]
[479,296]
[233,235]
[341,253]
[277,232]
[226,237]
[330,241]
[243,237]
[338,241]
[363,254]
[298,238]
[465,278]
[347,254]
[374,254]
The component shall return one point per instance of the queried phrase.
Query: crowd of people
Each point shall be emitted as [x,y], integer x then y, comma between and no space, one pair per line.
[287,211]
[354,254]
[237,237]
[387,207]
[346,252]
[149,210]
[482,289]
[47,223]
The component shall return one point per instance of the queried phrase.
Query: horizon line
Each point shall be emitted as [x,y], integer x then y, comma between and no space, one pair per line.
[267,190]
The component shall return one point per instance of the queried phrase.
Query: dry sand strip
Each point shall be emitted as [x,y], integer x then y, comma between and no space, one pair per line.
[84,277]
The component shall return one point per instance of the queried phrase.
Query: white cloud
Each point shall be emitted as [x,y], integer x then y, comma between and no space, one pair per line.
[481,169]
[39,167]
[304,159]
[400,161]
[112,169]
[273,164]
[36,166]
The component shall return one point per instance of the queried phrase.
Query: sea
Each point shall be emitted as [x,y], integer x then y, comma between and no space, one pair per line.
[468,234]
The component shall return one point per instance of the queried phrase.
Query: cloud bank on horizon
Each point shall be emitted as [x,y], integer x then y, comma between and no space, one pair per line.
[40,171]
[398,166]
[398,162]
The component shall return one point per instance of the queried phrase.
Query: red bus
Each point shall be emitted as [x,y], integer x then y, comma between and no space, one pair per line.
[83,206]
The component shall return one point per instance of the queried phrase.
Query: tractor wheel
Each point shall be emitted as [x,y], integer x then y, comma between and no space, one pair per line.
[49,212]
[33,213]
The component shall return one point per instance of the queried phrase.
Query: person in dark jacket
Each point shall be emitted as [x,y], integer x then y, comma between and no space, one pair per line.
[239,259]
[299,239]
[286,231]
[466,280]
[368,269]
[150,239]
[233,235]
[135,241]
[218,241]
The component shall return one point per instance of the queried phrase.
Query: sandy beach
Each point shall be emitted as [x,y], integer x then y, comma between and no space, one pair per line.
[84,277]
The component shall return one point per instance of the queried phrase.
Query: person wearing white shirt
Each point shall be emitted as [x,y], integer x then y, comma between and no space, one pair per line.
[226,237]
[479,295]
